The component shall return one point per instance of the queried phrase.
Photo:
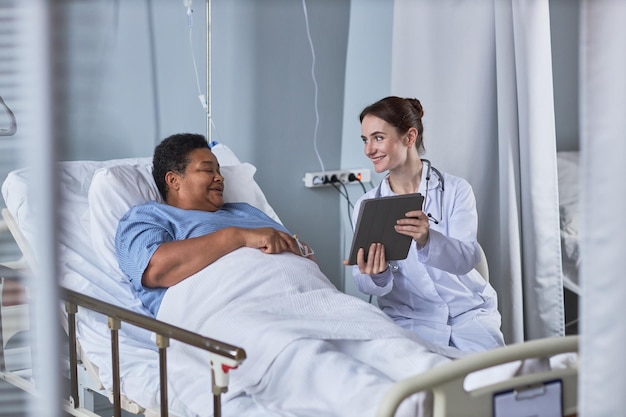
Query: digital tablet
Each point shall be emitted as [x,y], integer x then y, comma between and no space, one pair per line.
[375,224]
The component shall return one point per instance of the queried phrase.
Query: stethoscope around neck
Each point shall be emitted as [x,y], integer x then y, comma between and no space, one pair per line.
[440,187]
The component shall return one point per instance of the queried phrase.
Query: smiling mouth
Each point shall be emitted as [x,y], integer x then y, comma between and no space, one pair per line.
[376,159]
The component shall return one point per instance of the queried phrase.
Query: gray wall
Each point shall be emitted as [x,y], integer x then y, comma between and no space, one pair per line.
[565,23]
[133,83]
[368,78]
[270,122]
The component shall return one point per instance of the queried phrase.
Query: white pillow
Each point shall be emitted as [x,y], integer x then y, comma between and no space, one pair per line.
[225,155]
[114,190]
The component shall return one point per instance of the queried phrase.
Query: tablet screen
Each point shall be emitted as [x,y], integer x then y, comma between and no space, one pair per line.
[375,224]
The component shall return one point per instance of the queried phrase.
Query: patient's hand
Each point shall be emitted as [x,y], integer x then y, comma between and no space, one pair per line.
[270,240]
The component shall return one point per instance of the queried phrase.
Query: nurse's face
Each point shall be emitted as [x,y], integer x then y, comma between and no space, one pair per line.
[382,144]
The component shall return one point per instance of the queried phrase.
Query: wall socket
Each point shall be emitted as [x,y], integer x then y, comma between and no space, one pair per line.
[323,179]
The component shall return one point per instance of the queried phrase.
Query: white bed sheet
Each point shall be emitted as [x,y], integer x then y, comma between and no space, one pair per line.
[263,303]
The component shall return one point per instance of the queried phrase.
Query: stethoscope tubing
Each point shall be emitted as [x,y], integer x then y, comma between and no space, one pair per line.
[441,186]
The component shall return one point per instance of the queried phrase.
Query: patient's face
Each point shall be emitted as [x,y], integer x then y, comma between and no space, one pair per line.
[202,186]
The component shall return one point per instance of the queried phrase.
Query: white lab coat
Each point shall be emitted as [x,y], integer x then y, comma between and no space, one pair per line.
[435,291]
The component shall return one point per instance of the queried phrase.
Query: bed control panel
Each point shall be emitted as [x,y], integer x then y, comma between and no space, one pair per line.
[541,400]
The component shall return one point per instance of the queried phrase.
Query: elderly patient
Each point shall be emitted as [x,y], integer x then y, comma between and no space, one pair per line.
[312,350]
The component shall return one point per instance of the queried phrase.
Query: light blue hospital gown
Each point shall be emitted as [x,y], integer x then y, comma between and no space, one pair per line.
[145,227]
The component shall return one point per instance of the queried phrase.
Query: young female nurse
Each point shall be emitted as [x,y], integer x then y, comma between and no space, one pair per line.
[435,291]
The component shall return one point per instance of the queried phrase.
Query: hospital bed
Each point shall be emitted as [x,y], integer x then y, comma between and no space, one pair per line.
[127,363]
[105,355]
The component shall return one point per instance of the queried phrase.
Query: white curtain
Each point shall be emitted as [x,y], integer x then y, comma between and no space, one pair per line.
[483,72]
[602,382]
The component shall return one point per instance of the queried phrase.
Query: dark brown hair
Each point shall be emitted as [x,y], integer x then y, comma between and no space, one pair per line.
[401,113]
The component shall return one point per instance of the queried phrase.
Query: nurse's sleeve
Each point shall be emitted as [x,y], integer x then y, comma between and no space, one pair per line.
[457,252]
[377,285]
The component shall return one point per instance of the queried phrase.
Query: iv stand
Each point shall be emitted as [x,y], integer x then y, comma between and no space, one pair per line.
[208,72]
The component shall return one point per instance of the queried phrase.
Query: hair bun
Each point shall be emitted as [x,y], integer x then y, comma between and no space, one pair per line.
[417,105]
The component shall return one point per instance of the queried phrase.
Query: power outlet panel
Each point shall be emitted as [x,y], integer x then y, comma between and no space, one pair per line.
[344,176]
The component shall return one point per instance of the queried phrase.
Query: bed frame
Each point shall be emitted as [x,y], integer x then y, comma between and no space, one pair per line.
[223,357]
[83,375]
[451,399]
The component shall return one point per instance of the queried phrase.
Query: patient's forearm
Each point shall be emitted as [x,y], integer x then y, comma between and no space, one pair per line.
[174,261]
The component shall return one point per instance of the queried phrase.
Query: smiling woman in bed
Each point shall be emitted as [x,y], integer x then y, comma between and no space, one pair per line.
[159,245]
[230,272]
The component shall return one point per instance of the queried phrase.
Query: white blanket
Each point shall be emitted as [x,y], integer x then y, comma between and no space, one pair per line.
[261,303]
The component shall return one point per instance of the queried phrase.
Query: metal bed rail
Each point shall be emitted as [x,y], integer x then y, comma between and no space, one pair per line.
[447,381]
[223,356]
